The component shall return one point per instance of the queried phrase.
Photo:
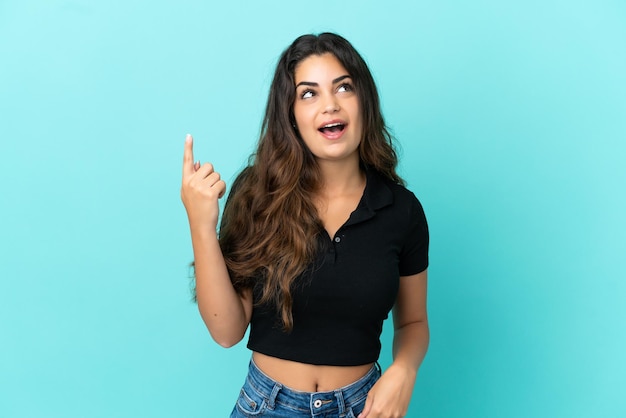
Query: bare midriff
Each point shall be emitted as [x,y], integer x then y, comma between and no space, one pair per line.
[309,377]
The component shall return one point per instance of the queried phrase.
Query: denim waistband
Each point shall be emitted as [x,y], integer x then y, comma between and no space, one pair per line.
[336,401]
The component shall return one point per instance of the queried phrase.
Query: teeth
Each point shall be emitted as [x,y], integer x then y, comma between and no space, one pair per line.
[332,125]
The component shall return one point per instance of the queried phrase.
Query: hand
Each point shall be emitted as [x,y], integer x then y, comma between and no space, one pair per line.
[200,191]
[390,396]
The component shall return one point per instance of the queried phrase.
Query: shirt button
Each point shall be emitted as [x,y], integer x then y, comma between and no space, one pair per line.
[337,239]
[317,403]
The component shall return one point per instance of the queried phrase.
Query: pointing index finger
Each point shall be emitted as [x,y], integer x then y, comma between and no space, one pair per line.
[188,156]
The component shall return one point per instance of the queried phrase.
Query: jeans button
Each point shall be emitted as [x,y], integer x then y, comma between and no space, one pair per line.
[317,403]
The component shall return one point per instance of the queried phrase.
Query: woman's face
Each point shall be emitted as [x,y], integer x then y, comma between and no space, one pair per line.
[326,109]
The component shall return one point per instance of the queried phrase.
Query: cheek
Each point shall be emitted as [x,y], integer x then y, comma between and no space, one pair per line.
[358,127]
[355,114]
[298,114]
[304,119]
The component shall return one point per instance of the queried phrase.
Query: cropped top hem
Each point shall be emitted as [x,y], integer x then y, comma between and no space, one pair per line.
[347,362]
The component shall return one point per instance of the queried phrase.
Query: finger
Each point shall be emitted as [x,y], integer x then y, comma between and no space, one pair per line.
[196,166]
[215,184]
[366,409]
[212,178]
[221,187]
[214,181]
[188,165]
[204,170]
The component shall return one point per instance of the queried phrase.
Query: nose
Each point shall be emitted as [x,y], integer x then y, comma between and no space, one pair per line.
[330,104]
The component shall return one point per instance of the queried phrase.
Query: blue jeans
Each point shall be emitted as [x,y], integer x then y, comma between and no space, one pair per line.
[261,396]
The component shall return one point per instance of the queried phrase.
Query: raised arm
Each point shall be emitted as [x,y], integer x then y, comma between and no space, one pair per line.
[225,313]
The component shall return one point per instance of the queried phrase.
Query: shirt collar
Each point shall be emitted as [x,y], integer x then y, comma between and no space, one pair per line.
[376,195]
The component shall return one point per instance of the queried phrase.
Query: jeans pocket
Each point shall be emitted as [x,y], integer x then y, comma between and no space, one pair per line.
[352,413]
[250,403]
[356,408]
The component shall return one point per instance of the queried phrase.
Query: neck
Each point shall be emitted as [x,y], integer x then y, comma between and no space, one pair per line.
[340,177]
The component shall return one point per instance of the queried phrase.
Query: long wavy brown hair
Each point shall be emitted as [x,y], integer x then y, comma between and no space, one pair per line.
[269,224]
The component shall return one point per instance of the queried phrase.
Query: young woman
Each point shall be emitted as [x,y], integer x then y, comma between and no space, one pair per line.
[318,241]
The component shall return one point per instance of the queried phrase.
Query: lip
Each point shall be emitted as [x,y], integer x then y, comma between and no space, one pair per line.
[333,135]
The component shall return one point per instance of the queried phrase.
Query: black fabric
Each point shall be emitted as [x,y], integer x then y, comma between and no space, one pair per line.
[341,301]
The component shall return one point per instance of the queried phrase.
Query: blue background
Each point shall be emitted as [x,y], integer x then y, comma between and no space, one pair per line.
[512,123]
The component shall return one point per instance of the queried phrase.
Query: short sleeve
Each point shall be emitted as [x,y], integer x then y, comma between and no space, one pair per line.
[414,253]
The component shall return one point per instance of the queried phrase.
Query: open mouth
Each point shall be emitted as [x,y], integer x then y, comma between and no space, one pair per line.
[332,128]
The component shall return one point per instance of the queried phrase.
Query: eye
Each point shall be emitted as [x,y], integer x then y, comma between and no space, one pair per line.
[345,87]
[307,94]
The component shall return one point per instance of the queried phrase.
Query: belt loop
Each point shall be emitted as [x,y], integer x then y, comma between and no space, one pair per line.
[340,403]
[270,402]
[380,370]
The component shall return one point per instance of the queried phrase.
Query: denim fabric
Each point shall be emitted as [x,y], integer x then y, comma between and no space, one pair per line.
[261,396]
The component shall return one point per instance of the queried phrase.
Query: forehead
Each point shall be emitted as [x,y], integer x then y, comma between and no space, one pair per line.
[319,69]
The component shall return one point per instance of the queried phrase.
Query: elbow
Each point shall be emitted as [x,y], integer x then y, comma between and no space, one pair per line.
[418,323]
[226,342]
[224,334]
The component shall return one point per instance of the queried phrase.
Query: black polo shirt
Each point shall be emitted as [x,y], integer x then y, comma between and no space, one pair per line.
[342,299]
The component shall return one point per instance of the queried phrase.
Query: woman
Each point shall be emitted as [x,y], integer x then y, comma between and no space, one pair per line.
[318,241]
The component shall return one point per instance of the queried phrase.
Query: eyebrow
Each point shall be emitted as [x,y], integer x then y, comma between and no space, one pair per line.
[312,84]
